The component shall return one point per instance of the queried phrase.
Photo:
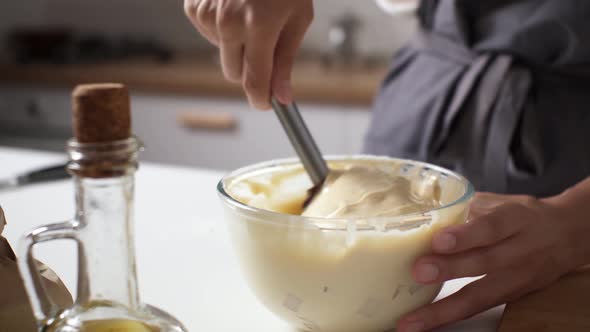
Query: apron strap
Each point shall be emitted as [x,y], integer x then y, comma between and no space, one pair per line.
[506,115]
[462,92]
[483,102]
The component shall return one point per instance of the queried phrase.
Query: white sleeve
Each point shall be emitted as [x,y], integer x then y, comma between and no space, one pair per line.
[395,7]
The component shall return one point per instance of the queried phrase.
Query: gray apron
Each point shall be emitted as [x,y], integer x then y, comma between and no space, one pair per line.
[496,90]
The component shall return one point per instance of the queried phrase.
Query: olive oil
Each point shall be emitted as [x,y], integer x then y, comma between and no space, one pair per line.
[110,325]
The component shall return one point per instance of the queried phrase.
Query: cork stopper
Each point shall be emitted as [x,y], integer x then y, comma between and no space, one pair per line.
[101,113]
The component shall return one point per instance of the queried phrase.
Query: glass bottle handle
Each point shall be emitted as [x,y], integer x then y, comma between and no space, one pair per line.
[42,305]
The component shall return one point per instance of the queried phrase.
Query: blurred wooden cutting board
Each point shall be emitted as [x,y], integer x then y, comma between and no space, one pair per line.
[562,307]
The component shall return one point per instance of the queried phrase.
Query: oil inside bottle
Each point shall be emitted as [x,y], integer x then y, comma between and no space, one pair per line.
[106,325]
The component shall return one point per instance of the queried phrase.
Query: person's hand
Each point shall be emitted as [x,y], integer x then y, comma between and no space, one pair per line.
[257,39]
[521,244]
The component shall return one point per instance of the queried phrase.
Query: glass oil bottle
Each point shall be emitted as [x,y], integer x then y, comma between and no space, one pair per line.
[103,160]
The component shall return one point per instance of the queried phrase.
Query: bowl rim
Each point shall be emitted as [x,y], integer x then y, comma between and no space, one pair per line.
[387,222]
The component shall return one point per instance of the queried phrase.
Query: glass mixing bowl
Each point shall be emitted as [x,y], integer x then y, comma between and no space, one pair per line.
[341,275]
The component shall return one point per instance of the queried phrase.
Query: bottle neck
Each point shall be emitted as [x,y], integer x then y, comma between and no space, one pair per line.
[105,213]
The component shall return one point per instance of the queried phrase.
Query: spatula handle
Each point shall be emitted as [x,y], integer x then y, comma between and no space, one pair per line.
[302,141]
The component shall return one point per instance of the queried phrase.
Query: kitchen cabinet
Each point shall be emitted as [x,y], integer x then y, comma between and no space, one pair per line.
[27,107]
[254,137]
[33,117]
[227,133]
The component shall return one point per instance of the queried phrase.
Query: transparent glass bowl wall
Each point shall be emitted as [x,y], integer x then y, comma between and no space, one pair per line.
[341,275]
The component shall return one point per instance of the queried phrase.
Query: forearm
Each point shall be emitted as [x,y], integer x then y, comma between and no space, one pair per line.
[575,206]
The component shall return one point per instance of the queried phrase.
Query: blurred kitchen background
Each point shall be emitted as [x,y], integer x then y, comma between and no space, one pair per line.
[183,110]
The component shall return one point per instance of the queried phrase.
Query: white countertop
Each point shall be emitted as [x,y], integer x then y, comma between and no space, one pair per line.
[185,261]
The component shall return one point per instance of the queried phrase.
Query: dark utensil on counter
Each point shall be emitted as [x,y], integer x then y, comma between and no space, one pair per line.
[64,45]
[52,173]
[31,44]
[304,145]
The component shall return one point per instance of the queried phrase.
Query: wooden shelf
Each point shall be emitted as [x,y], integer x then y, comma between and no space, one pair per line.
[187,75]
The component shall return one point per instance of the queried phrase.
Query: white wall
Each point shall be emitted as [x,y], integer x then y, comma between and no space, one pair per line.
[380,33]
[165,21]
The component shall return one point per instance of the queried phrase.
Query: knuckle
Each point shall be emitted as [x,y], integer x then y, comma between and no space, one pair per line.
[528,201]
[470,264]
[488,230]
[232,73]
[206,14]
[513,207]
[455,269]
[507,219]
[490,259]
[495,230]
[229,20]
[190,8]
[251,85]
[257,92]
[467,265]
[260,22]
[258,17]
[508,207]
